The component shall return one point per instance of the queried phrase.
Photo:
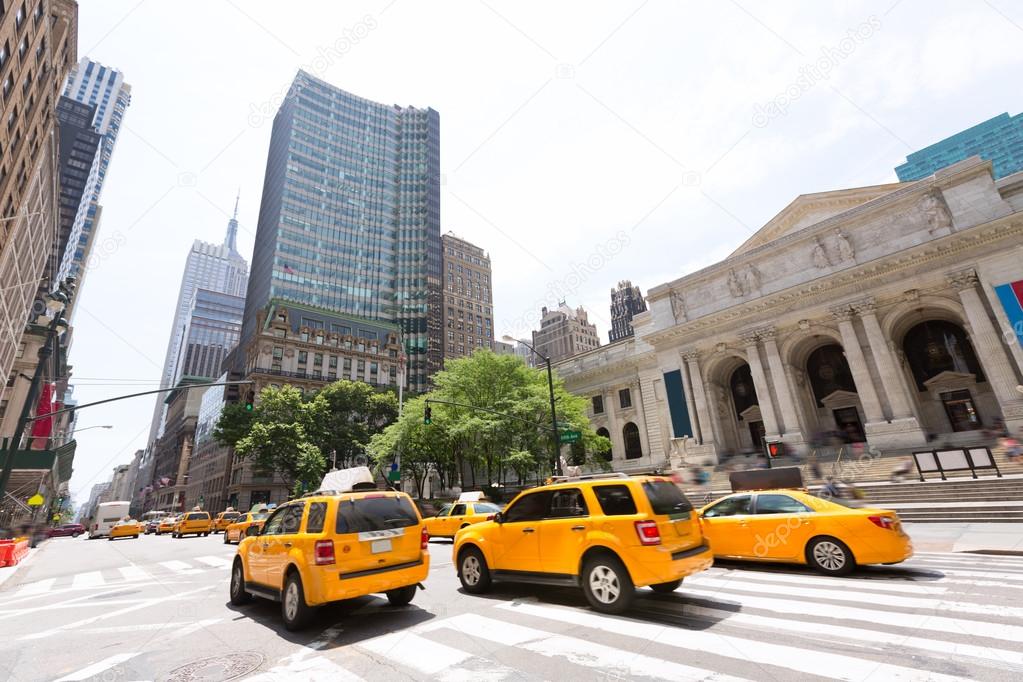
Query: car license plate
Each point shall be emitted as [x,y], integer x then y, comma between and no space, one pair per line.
[379,546]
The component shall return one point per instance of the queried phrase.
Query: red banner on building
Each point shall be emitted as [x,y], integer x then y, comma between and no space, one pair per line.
[42,428]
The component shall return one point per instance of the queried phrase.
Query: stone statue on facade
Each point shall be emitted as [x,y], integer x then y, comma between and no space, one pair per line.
[751,278]
[820,256]
[733,284]
[678,305]
[845,249]
[935,213]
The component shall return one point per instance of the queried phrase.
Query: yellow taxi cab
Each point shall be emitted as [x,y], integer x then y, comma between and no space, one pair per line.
[339,543]
[193,523]
[126,528]
[225,519]
[605,533]
[167,524]
[237,529]
[457,515]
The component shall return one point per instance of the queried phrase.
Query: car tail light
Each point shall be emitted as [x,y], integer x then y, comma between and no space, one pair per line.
[886,522]
[648,532]
[324,551]
[491,517]
[424,539]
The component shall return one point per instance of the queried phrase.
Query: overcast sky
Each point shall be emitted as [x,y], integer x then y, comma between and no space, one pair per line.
[581,142]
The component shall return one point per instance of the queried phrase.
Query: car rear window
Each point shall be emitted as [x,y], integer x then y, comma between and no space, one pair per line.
[197,516]
[486,508]
[316,516]
[230,515]
[666,498]
[260,517]
[615,500]
[375,513]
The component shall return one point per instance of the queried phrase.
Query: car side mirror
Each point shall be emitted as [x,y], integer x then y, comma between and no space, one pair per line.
[251,532]
[498,517]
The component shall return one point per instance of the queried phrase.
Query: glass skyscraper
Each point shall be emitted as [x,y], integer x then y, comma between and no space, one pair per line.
[104,88]
[998,140]
[350,216]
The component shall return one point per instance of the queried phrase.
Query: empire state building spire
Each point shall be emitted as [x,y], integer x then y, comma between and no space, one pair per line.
[231,240]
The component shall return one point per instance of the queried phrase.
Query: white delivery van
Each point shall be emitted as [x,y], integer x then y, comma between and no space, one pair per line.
[107,514]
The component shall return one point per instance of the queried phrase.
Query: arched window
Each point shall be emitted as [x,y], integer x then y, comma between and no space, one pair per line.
[744,394]
[829,372]
[937,346]
[606,456]
[633,446]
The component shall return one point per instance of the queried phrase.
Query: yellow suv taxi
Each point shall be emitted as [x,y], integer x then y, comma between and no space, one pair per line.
[224,519]
[453,517]
[605,533]
[195,523]
[330,546]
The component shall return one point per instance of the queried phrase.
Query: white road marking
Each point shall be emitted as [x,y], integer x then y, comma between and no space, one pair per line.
[97,668]
[38,587]
[90,579]
[132,573]
[145,603]
[990,575]
[921,621]
[215,561]
[415,652]
[315,669]
[577,651]
[180,567]
[859,583]
[980,561]
[737,583]
[140,627]
[773,653]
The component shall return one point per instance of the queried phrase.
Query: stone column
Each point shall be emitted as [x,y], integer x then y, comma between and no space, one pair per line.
[858,365]
[764,400]
[887,368]
[613,425]
[781,382]
[647,411]
[707,432]
[696,425]
[988,345]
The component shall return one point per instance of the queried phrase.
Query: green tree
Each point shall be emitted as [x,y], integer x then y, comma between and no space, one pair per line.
[347,414]
[417,447]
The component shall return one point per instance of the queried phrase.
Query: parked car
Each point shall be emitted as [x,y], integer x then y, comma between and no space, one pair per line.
[65,529]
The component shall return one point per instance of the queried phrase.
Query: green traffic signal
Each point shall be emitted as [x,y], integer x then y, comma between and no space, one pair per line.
[249,399]
[428,415]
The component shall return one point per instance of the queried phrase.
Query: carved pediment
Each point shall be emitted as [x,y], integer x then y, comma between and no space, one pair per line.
[840,398]
[948,380]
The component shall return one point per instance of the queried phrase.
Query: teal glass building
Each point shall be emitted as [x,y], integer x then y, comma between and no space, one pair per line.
[350,216]
[998,140]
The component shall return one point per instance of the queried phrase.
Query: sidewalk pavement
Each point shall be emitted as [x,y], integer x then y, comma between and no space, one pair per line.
[983,538]
[7,572]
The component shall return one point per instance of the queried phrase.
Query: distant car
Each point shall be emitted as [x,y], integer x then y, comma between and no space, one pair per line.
[129,528]
[63,530]
[166,525]
[457,515]
[193,523]
[236,531]
[151,526]
[223,520]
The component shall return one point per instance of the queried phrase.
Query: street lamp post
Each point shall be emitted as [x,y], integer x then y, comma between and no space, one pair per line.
[56,302]
[555,451]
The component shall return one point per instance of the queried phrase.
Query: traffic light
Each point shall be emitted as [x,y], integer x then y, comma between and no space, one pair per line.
[250,397]
[428,415]
[775,450]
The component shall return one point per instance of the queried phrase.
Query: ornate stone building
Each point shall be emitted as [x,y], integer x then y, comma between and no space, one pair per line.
[871,312]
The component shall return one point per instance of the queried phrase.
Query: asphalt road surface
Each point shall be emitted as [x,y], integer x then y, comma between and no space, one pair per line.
[157,608]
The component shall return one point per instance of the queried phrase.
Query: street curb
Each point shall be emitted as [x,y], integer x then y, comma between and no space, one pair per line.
[994,552]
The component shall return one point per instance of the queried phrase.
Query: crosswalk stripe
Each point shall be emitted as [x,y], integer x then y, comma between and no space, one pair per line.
[916,621]
[38,587]
[866,598]
[90,579]
[416,652]
[978,562]
[132,573]
[858,583]
[965,555]
[180,567]
[215,561]
[991,575]
[97,668]
[312,669]
[577,651]
[826,631]
[793,658]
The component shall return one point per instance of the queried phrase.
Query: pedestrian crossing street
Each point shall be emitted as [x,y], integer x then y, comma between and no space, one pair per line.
[130,573]
[735,621]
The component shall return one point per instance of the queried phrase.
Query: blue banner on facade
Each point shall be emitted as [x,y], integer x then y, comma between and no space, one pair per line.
[677,406]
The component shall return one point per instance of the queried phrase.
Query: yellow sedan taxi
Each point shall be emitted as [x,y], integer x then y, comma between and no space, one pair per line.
[166,525]
[193,523]
[333,545]
[127,528]
[225,519]
[791,525]
[457,515]
[237,529]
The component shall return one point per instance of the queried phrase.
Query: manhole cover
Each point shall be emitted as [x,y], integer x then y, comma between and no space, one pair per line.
[217,668]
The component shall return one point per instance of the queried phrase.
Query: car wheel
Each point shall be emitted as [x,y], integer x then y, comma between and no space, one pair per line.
[226,542]
[75,535]
[238,594]
[473,571]
[830,556]
[666,588]
[294,610]
[607,584]
[111,538]
[402,595]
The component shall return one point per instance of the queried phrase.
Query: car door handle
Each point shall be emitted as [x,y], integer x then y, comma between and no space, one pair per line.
[528,530]
[287,544]
[578,527]
[265,545]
